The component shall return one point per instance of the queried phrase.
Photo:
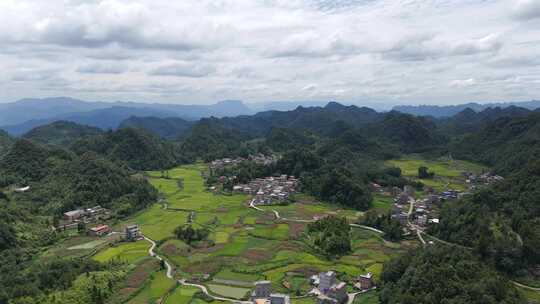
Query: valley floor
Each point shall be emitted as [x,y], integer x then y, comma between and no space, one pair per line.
[246,244]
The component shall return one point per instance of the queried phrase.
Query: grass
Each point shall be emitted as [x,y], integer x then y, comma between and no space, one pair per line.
[228,291]
[227,274]
[127,252]
[279,232]
[158,223]
[181,294]
[448,173]
[367,298]
[90,245]
[158,286]
[382,203]
[531,295]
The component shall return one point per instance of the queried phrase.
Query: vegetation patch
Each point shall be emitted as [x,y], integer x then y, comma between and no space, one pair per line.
[228,291]
[124,252]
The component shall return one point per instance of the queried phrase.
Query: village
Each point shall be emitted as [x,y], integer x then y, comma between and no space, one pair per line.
[326,288]
[414,209]
[259,159]
[420,210]
[269,190]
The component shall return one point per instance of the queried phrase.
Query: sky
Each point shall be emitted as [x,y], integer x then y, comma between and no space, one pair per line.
[202,51]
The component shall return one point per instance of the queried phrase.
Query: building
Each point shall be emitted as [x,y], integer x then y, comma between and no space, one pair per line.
[365,281]
[421,220]
[402,198]
[133,233]
[402,217]
[433,199]
[326,281]
[263,289]
[278,298]
[338,292]
[95,211]
[409,190]
[395,191]
[99,230]
[73,215]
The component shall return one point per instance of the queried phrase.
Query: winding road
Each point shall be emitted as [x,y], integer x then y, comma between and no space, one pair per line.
[184,282]
[278,217]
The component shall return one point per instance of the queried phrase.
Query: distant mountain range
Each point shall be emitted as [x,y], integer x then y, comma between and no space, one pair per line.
[24,115]
[21,116]
[447,111]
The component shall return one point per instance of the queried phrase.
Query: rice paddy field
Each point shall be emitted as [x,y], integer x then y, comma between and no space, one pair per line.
[245,245]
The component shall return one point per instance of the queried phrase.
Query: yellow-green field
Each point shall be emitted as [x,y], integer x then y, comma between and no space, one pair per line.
[125,252]
[448,172]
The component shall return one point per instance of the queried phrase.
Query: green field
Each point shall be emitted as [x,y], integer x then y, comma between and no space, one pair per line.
[156,288]
[448,172]
[367,298]
[228,291]
[126,252]
[248,245]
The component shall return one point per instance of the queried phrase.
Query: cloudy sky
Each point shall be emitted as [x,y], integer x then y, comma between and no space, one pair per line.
[201,51]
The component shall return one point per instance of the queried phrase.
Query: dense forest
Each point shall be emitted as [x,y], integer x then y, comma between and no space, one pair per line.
[169,128]
[61,133]
[501,223]
[441,274]
[136,148]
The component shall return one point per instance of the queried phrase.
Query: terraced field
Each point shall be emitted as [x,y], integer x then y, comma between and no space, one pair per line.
[246,244]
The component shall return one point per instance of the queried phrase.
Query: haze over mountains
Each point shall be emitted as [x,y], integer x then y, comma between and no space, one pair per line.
[451,110]
[24,115]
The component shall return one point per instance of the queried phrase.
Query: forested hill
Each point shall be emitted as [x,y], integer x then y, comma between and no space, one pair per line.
[468,121]
[5,142]
[405,132]
[507,144]
[138,149]
[58,181]
[441,274]
[169,128]
[62,133]
[501,223]
[315,119]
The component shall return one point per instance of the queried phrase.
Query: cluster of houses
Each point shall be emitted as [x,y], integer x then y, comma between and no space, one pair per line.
[331,291]
[259,159]
[423,211]
[485,179]
[86,215]
[328,289]
[270,189]
[72,219]
[262,294]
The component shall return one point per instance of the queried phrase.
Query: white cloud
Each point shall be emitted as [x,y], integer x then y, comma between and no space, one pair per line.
[200,51]
[527,9]
[183,69]
[102,68]
[463,83]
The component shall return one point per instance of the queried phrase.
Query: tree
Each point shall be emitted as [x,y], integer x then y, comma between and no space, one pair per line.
[424,173]
[190,235]
[331,235]
[444,274]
